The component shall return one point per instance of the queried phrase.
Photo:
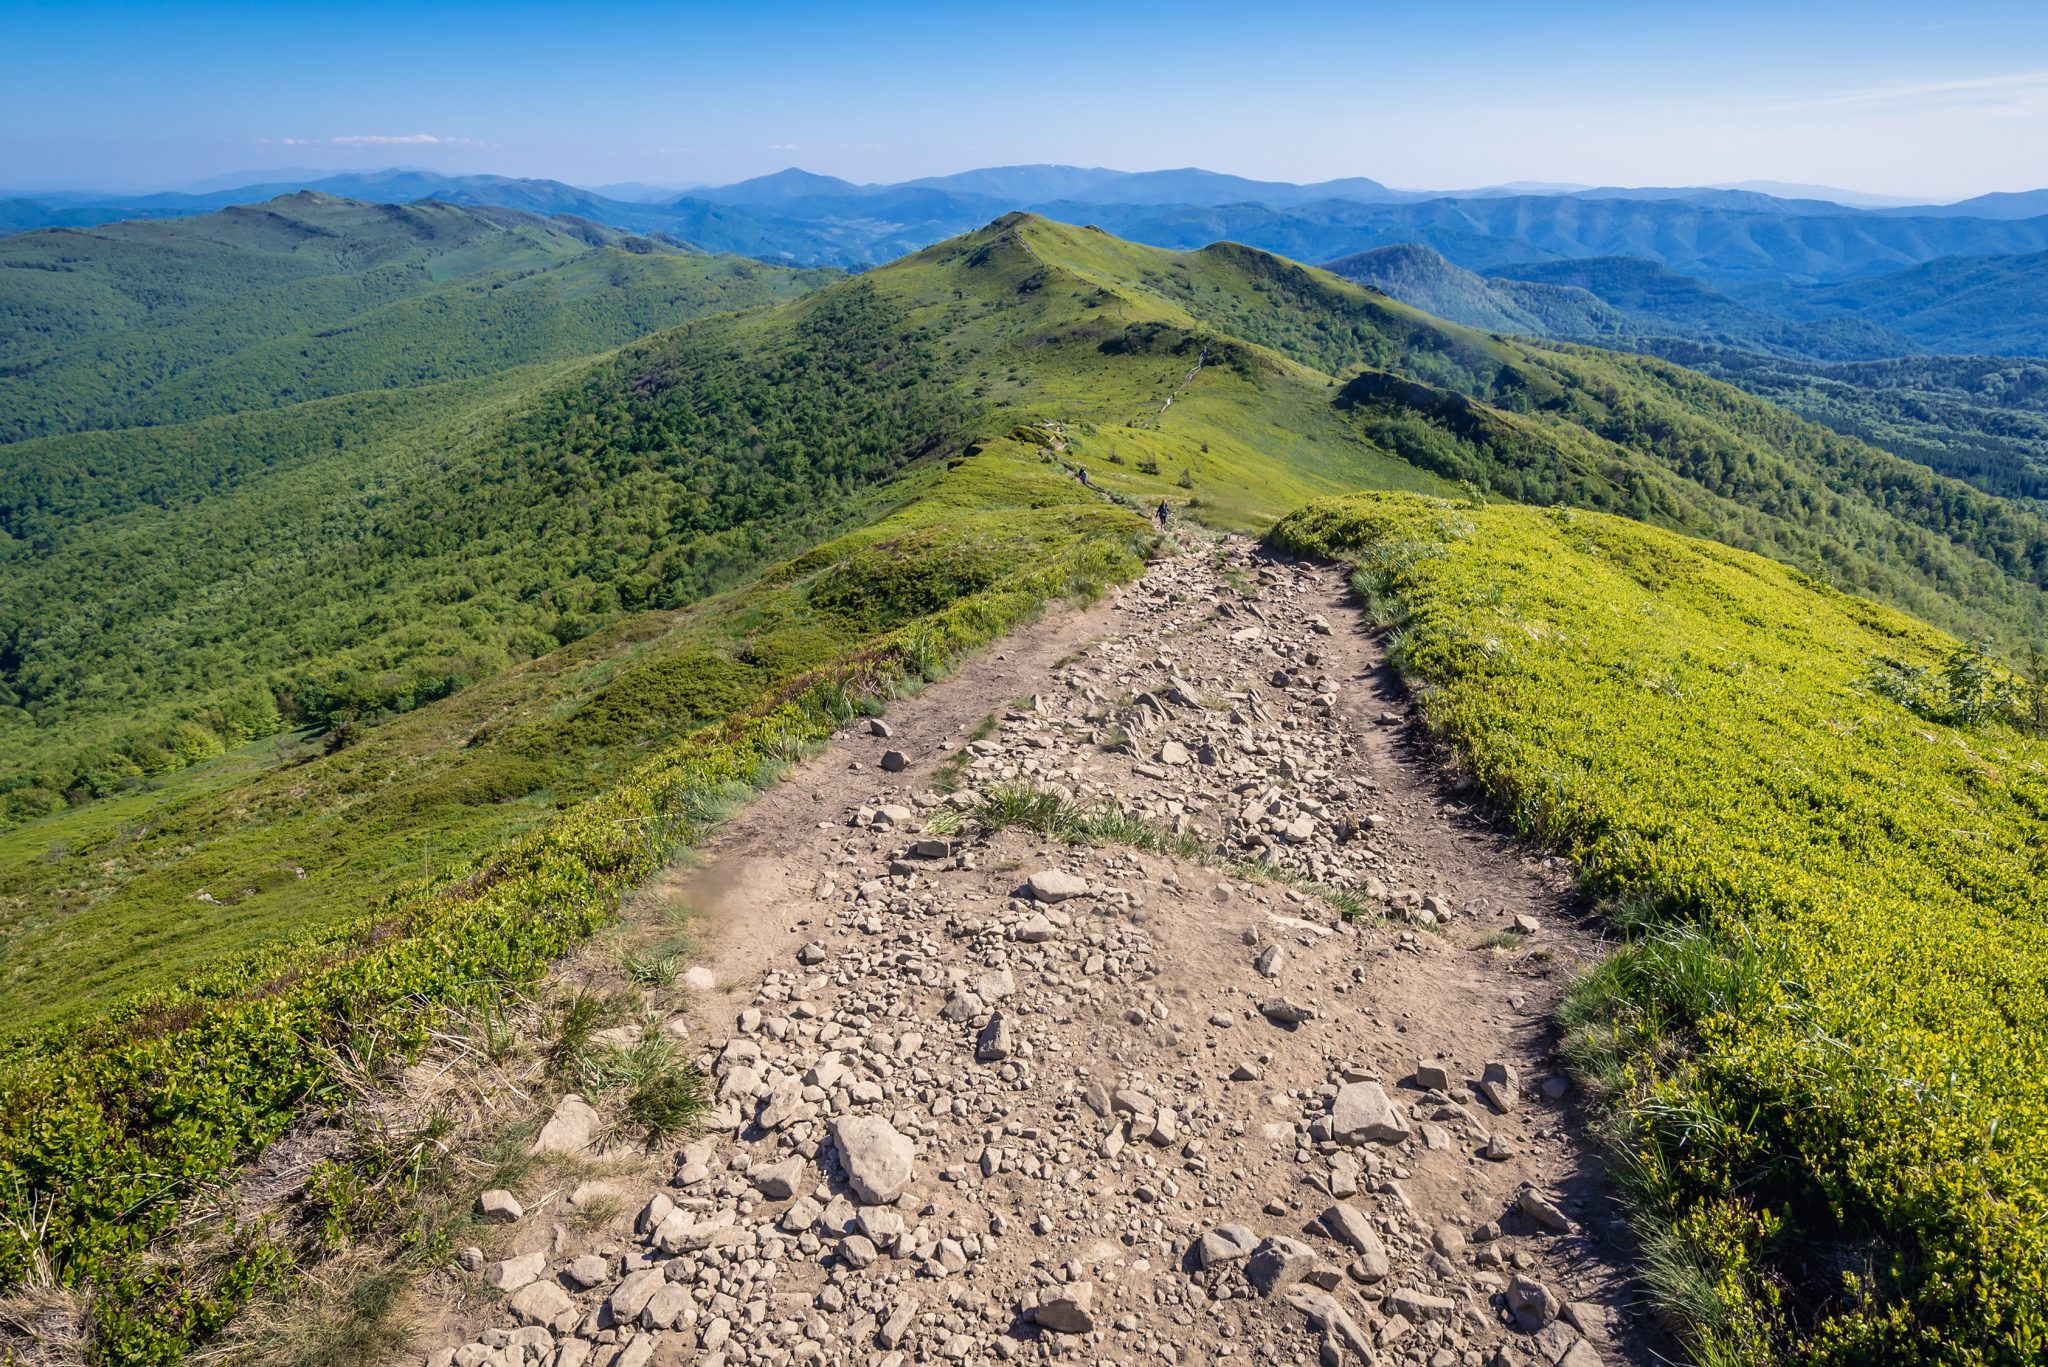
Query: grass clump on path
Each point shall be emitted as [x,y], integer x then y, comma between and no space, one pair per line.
[1826,1049]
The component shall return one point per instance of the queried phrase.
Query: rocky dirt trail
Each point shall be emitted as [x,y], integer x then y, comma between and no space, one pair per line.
[986,1096]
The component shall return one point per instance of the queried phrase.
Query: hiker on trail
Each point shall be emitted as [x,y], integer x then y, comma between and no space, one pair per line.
[1161,514]
[1081,473]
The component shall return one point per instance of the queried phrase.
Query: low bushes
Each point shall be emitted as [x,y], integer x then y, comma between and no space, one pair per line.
[107,1130]
[1826,1045]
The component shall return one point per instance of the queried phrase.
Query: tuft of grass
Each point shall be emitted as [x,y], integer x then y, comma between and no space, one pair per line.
[1502,939]
[651,970]
[1106,823]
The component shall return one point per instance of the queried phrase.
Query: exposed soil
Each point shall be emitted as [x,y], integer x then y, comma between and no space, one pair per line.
[1160,1108]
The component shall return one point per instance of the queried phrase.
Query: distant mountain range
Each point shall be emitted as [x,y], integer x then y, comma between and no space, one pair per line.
[1787,274]
[1737,232]
[1973,305]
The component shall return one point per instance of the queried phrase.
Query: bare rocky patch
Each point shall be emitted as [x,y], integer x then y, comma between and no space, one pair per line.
[985,1095]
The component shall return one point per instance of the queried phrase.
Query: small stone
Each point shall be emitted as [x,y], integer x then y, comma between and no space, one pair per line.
[1278,1263]
[1543,1211]
[879,728]
[570,1129]
[1067,1310]
[994,1043]
[498,1207]
[878,1160]
[1224,1244]
[631,1295]
[1419,1308]
[513,1273]
[1499,1084]
[1055,885]
[1037,930]
[1431,1075]
[1360,1112]
[813,954]
[1340,1331]
[894,761]
[1531,1303]
[1269,961]
[540,1303]
[1282,1011]
[588,1271]
[1173,752]
[780,1181]
[893,1329]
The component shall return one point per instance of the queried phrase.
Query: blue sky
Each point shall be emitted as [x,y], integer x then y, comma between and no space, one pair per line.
[1933,101]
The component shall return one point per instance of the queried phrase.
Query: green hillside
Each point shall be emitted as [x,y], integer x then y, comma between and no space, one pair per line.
[1821,823]
[1975,304]
[1656,301]
[1980,419]
[509,612]
[309,296]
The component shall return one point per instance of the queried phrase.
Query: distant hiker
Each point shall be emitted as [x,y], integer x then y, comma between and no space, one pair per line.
[1081,473]
[1161,514]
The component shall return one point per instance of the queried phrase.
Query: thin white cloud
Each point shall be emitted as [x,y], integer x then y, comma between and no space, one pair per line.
[375,140]
[2020,87]
[399,140]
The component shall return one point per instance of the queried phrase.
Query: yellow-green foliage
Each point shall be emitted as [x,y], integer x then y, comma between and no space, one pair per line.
[1828,1048]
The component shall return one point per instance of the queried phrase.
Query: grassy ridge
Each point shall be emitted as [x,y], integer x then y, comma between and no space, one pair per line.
[223,1070]
[1827,1047]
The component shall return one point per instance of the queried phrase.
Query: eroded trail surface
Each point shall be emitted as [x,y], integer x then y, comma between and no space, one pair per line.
[987,1098]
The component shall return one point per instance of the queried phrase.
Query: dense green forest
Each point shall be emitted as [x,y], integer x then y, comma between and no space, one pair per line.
[1611,301]
[309,296]
[1981,419]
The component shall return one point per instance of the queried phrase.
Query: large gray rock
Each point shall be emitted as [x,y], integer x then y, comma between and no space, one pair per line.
[571,1129]
[1361,1113]
[878,1160]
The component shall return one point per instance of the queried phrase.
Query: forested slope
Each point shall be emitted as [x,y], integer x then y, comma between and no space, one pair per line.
[309,296]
